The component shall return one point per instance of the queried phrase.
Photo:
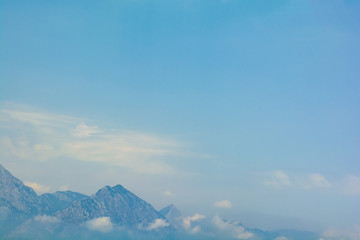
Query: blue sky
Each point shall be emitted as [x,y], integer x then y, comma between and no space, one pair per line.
[190,102]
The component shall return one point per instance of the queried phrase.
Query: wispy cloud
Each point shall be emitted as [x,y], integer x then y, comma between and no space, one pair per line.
[83,130]
[348,185]
[13,114]
[43,136]
[317,180]
[223,204]
[277,179]
[38,188]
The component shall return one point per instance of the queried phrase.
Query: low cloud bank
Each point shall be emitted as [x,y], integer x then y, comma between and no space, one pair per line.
[159,223]
[102,224]
[231,228]
[187,223]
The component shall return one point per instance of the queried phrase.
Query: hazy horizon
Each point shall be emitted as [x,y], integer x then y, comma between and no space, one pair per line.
[244,109]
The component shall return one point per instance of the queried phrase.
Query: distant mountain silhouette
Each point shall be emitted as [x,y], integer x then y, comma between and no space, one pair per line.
[19,203]
[120,205]
[110,213]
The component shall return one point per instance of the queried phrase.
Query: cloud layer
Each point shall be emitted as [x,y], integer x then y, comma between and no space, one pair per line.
[102,224]
[159,223]
[231,228]
[42,136]
[188,223]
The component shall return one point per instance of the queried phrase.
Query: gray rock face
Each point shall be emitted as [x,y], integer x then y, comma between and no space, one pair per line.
[122,206]
[124,210]
[24,198]
[14,191]
[28,215]
[18,202]
[52,202]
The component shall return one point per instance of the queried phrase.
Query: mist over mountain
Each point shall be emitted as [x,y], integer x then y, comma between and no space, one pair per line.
[111,213]
[172,214]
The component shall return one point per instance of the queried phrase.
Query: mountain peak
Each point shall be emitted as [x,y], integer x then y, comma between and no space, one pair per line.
[122,206]
[13,190]
[111,191]
[119,188]
[5,175]
[171,213]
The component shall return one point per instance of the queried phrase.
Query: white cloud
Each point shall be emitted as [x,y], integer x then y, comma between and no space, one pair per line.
[102,224]
[318,181]
[223,204]
[187,223]
[231,228]
[159,223]
[46,136]
[188,220]
[131,150]
[46,219]
[168,193]
[14,115]
[277,179]
[38,188]
[83,130]
[351,185]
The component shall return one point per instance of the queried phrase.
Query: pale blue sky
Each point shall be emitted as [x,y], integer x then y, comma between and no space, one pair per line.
[254,102]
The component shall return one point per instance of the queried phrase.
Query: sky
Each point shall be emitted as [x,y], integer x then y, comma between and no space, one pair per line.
[246,109]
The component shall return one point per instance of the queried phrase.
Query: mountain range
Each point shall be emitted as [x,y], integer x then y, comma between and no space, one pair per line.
[110,213]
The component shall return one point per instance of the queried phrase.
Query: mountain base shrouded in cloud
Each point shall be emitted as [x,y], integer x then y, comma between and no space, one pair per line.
[110,213]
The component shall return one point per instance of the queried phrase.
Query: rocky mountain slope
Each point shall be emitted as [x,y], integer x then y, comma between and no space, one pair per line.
[110,213]
[25,214]
[120,205]
[52,202]
[14,191]
[19,203]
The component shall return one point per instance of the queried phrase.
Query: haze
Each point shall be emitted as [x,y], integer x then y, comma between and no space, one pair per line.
[245,109]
